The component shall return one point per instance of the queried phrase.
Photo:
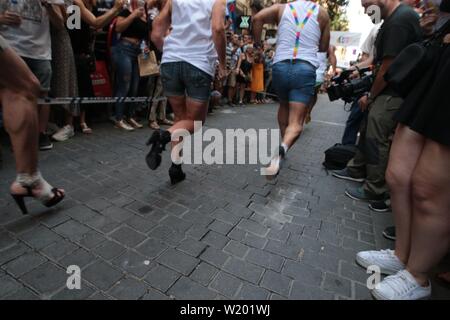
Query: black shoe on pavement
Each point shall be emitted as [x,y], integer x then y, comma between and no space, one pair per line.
[360,194]
[176,174]
[389,233]
[44,142]
[380,206]
[158,142]
[345,175]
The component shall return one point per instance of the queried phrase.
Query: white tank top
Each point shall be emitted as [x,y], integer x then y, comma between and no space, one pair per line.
[191,38]
[310,34]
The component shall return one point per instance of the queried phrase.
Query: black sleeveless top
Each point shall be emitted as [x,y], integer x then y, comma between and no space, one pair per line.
[138,29]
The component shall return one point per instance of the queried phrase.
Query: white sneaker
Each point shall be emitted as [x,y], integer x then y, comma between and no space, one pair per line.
[401,286]
[386,260]
[65,133]
[124,126]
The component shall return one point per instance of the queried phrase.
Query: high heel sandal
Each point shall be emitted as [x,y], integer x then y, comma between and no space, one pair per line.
[176,174]
[57,197]
[158,142]
[85,128]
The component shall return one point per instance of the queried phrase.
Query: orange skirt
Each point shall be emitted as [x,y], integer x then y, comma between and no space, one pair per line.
[257,84]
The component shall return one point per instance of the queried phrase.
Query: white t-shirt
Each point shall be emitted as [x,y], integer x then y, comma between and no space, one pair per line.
[191,38]
[368,46]
[32,38]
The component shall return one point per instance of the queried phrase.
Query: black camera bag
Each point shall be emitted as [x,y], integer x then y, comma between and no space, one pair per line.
[337,157]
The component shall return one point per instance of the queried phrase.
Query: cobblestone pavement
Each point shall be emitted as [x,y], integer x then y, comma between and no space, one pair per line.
[224,233]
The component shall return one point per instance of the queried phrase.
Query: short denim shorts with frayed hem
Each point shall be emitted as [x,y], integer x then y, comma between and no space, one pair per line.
[182,78]
[294,81]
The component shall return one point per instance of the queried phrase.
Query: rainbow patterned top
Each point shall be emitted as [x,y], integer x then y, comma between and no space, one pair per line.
[300,25]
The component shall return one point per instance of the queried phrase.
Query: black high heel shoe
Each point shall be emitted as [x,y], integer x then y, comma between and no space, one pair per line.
[158,141]
[176,174]
[58,196]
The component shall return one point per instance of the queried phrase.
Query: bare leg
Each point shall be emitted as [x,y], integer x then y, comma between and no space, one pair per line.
[231,94]
[241,92]
[283,117]
[253,97]
[44,114]
[405,153]
[430,240]
[297,113]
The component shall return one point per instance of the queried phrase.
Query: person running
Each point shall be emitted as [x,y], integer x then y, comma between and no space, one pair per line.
[19,90]
[188,67]
[303,31]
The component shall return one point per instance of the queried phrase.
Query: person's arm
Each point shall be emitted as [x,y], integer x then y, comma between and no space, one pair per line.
[123,23]
[9,18]
[268,15]
[161,25]
[324,21]
[99,22]
[332,58]
[219,36]
[54,15]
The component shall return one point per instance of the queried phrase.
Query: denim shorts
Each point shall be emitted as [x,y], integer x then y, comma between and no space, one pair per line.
[182,78]
[294,80]
[42,69]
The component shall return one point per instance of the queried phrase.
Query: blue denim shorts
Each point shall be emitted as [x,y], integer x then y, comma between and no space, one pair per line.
[294,80]
[182,78]
[42,69]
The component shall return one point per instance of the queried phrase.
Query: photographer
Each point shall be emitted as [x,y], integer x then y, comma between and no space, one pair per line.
[401,27]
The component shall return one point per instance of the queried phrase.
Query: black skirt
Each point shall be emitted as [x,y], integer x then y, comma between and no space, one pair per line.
[426,109]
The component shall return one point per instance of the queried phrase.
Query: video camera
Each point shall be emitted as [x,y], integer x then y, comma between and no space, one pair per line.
[342,87]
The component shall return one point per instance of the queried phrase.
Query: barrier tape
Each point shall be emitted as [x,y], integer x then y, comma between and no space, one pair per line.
[97,100]
[103,100]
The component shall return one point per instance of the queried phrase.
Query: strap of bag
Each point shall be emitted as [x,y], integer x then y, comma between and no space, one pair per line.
[300,25]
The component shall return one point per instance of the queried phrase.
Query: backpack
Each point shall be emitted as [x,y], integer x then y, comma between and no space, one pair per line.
[337,157]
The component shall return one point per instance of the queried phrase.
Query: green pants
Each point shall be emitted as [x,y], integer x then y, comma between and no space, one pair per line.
[372,158]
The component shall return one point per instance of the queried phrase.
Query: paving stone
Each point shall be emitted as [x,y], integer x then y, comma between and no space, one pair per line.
[81,213]
[204,273]
[98,204]
[118,214]
[236,249]
[127,236]
[226,217]
[215,240]
[358,225]
[40,237]
[66,294]
[12,252]
[154,295]
[281,249]
[251,292]
[8,285]
[24,264]
[254,241]
[176,209]
[186,289]
[91,239]
[108,250]
[101,275]
[243,270]
[226,284]
[220,227]
[353,272]
[72,230]
[322,261]
[167,235]
[128,289]
[22,294]
[79,258]
[133,263]
[192,247]
[6,240]
[361,292]
[102,224]
[367,237]
[253,227]
[337,284]
[46,278]
[59,249]
[178,261]
[151,248]
[303,273]
[162,278]
[300,291]
[276,282]
[357,245]
[140,224]
[265,259]
[99,296]
[215,257]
